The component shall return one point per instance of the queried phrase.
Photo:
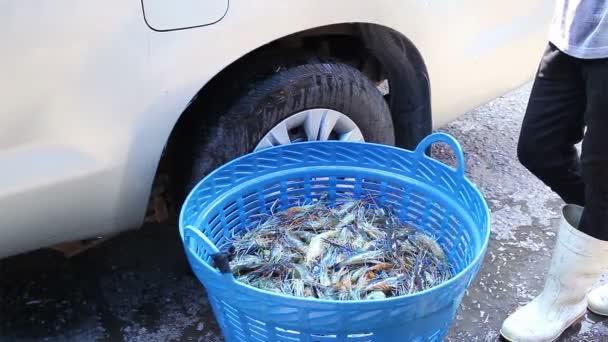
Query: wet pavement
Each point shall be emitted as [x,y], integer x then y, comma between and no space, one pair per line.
[138,287]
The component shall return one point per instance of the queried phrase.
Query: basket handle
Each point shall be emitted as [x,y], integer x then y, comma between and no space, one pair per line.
[194,237]
[444,138]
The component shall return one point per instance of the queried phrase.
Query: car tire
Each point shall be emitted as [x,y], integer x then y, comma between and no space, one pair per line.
[281,94]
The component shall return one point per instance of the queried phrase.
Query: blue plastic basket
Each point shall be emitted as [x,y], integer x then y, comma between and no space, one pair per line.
[427,194]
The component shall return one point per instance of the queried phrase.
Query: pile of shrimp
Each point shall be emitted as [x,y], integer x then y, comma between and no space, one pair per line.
[356,250]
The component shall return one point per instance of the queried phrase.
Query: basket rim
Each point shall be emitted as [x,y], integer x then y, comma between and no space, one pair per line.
[485,238]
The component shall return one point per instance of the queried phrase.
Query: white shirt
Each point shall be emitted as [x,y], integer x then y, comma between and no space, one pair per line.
[580,28]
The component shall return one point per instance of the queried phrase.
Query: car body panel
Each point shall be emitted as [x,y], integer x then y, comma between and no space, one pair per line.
[90,86]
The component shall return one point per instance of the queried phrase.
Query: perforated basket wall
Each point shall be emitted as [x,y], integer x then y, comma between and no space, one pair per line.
[427,194]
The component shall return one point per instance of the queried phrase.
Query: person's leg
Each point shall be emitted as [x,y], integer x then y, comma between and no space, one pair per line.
[553,124]
[594,155]
[594,159]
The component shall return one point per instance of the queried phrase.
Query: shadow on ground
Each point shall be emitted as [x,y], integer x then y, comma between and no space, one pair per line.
[136,287]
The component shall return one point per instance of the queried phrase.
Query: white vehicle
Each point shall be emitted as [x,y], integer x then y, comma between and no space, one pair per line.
[104,101]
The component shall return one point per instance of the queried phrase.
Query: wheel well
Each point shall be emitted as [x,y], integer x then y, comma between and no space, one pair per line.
[378,52]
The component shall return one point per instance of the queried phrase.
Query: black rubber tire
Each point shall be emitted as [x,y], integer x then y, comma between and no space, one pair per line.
[282,93]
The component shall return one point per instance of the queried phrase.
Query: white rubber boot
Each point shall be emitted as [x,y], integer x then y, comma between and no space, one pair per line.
[577,262]
[598,300]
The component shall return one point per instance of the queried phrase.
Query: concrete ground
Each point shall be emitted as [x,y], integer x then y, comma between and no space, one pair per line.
[137,287]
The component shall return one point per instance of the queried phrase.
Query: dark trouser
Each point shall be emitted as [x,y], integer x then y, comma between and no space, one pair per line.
[568,95]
